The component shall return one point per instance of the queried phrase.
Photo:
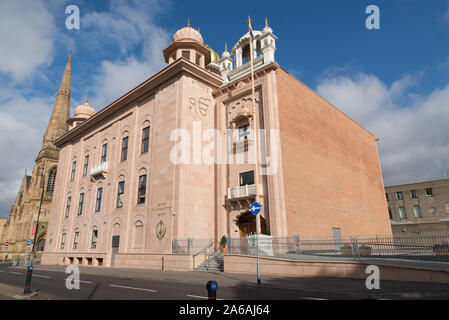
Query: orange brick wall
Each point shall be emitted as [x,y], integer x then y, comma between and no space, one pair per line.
[332,176]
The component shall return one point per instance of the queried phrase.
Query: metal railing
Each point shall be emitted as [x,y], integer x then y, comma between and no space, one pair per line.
[99,169]
[31,261]
[191,246]
[418,250]
[410,250]
[243,191]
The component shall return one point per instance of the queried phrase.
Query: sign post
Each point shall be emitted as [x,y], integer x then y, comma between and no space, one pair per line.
[26,254]
[255,209]
[27,289]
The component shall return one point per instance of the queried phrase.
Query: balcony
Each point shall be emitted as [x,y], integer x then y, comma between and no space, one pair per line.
[100,169]
[242,146]
[242,192]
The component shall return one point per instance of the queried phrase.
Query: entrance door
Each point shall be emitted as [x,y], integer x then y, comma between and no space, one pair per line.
[247,229]
[247,224]
[337,238]
[115,248]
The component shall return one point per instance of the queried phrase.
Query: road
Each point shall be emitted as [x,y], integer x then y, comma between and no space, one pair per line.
[110,284]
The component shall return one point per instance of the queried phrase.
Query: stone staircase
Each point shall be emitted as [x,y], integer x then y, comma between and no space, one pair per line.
[214,263]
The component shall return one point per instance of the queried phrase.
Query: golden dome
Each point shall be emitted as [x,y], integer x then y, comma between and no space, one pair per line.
[188,33]
[214,57]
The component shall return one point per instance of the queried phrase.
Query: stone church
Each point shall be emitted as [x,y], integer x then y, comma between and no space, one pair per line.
[136,178]
[28,217]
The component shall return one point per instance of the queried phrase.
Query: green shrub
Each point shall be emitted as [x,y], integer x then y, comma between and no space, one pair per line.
[364,247]
[223,241]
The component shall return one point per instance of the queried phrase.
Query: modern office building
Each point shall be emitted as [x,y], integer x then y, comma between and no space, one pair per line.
[419,208]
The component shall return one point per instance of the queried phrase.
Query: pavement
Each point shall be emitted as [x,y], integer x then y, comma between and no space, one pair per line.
[117,283]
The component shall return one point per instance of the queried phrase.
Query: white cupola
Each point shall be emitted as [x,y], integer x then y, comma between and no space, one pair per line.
[226,63]
[264,47]
[267,43]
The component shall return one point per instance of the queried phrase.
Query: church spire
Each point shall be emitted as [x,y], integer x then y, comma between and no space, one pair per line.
[57,126]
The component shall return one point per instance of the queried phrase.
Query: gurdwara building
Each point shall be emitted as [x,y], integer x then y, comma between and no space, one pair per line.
[175,158]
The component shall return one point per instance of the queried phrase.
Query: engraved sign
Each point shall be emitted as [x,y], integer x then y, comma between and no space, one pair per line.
[200,106]
[161,230]
[162,209]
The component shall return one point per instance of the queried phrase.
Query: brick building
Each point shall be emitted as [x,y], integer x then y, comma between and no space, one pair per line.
[173,159]
[419,208]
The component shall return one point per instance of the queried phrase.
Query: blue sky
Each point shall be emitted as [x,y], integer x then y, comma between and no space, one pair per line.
[314,36]
[394,81]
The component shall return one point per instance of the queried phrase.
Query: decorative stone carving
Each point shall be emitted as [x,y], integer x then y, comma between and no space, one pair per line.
[240,110]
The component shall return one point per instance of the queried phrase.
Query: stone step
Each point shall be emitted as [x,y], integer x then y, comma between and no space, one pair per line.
[214,263]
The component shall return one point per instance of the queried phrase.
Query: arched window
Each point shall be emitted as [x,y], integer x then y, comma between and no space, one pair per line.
[246,54]
[138,233]
[93,244]
[51,180]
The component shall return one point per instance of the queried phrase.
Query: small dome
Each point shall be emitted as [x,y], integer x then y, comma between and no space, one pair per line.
[84,111]
[188,33]
[214,57]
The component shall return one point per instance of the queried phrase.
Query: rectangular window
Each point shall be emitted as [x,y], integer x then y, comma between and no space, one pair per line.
[124,149]
[247,178]
[386,196]
[63,240]
[390,213]
[80,205]
[244,132]
[98,201]
[413,194]
[402,213]
[399,196]
[447,207]
[142,189]
[186,54]
[67,208]
[86,165]
[417,211]
[120,194]
[73,171]
[145,139]
[197,58]
[75,240]
[104,152]
[93,244]
[429,192]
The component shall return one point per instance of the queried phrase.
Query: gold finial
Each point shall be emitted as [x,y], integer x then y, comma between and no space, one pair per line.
[188,22]
[226,47]
[87,100]
[249,20]
[266,23]
[198,29]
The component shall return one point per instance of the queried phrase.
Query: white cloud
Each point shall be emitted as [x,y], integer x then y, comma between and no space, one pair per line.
[22,124]
[414,140]
[127,31]
[130,27]
[27,30]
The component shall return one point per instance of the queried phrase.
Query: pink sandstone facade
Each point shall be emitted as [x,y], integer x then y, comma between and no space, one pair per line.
[323,171]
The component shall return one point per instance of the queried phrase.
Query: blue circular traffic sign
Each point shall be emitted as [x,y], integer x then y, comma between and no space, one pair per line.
[28,243]
[255,208]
